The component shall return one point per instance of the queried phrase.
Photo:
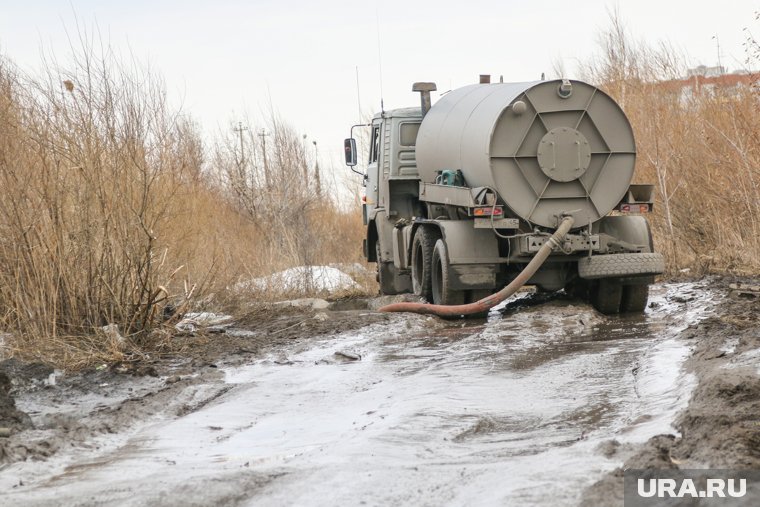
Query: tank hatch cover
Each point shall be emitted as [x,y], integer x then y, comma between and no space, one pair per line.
[564,154]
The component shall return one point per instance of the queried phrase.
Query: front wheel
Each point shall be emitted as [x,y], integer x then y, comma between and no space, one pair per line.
[442,276]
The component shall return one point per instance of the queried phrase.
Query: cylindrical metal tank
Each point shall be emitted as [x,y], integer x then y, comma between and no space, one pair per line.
[547,147]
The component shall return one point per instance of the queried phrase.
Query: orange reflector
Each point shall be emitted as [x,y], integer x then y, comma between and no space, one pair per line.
[487,211]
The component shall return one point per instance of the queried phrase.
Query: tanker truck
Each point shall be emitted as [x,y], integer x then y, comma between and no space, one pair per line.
[461,195]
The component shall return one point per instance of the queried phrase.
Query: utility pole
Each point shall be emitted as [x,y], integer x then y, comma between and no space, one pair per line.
[717,44]
[263,135]
[305,163]
[240,128]
[316,170]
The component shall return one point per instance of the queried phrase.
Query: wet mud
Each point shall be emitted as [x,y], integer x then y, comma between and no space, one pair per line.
[11,419]
[720,427]
[543,402]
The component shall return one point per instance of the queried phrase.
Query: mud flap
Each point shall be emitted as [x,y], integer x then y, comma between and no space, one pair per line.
[473,254]
[632,229]
[468,245]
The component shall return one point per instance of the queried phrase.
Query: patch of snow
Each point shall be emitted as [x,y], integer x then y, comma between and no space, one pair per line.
[241,333]
[313,303]
[304,279]
[746,359]
[52,378]
[192,320]
[207,318]
[111,332]
[353,268]
[730,346]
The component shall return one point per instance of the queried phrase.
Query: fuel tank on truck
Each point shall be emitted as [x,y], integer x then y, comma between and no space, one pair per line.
[546,147]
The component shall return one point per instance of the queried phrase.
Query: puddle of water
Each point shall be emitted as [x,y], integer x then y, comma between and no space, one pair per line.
[508,410]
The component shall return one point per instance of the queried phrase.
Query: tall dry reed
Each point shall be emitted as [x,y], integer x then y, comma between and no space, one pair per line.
[700,145]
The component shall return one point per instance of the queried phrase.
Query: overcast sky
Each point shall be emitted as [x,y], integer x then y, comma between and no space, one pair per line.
[224,57]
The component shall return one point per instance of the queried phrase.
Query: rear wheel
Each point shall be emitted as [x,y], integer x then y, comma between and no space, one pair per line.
[441,277]
[578,289]
[606,296]
[422,261]
[634,298]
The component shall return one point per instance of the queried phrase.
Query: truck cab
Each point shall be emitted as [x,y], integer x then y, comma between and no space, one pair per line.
[391,187]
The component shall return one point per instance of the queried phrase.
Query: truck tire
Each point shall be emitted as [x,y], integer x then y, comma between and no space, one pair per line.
[441,275]
[625,264]
[578,289]
[606,296]
[634,298]
[422,260]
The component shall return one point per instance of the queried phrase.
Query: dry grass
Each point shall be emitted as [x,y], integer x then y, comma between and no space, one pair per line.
[112,212]
[701,148]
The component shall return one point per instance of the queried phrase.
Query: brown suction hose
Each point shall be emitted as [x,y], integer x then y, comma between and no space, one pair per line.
[489,302]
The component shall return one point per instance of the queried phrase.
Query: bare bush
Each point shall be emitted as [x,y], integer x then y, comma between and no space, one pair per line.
[93,169]
[275,181]
[699,144]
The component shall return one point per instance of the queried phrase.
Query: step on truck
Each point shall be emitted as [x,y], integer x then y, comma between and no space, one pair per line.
[461,195]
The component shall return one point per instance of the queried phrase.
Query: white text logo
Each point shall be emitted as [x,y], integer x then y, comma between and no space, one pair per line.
[714,488]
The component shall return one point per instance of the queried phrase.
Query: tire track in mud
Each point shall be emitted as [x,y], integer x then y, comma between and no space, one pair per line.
[91,431]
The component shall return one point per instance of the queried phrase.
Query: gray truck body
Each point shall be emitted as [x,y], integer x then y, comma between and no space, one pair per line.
[461,196]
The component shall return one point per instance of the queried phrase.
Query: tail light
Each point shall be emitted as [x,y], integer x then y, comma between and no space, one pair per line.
[488,211]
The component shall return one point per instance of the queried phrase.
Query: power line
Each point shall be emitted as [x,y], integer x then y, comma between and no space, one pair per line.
[240,128]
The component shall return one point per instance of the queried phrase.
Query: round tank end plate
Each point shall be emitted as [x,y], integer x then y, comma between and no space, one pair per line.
[564,154]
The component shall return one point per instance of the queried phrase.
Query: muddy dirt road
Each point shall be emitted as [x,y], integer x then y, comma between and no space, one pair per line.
[529,407]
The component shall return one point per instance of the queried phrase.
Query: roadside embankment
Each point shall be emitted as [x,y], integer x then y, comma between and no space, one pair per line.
[720,428]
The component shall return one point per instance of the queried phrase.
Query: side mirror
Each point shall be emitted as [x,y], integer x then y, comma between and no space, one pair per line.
[349,148]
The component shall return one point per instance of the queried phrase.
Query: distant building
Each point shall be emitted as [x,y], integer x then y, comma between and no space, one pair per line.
[705,71]
[704,80]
